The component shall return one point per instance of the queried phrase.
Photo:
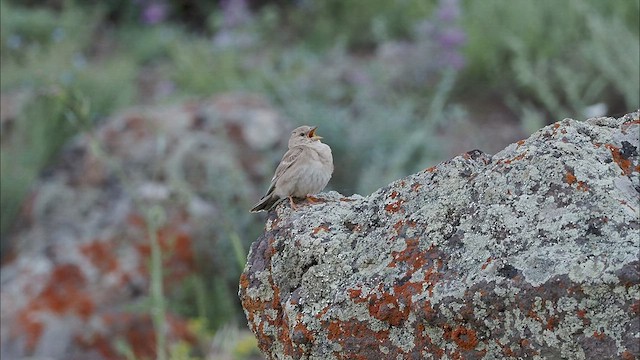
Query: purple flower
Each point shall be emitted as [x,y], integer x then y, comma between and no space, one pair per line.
[452,59]
[448,35]
[448,10]
[451,38]
[154,12]
[234,12]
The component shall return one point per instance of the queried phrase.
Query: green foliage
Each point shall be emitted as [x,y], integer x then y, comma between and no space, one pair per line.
[40,132]
[150,44]
[200,69]
[557,56]
[38,46]
[360,23]
[61,57]
[50,57]
[106,85]
[37,28]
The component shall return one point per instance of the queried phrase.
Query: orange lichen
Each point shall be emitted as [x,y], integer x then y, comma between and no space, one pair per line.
[394,207]
[583,186]
[32,329]
[423,341]
[244,281]
[354,293]
[416,186]
[101,255]
[178,255]
[627,355]
[387,308]
[599,335]
[532,314]
[571,179]
[136,220]
[520,143]
[384,306]
[618,158]
[506,350]
[303,331]
[323,312]
[320,228]
[465,338]
[65,291]
[137,330]
[140,335]
[98,343]
[519,157]
[258,305]
[342,332]
[411,255]
[486,263]
[398,225]
[625,126]
[552,321]
[394,306]
[635,308]
[178,243]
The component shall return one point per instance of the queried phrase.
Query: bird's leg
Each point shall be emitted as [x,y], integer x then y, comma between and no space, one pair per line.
[293,205]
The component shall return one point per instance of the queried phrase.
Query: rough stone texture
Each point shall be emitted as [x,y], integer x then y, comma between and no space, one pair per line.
[78,280]
[531,253]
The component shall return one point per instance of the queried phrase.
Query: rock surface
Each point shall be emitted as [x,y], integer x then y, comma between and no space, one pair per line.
[530,253]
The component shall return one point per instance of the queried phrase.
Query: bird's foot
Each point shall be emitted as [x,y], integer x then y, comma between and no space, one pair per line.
[312,199]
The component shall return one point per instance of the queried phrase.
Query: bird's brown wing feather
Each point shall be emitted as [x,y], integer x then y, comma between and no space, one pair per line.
[288,159]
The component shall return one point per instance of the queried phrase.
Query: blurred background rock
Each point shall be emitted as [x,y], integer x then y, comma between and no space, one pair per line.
[136,134]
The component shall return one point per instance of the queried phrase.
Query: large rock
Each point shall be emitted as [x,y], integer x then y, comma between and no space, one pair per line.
[531,253]
[78,284]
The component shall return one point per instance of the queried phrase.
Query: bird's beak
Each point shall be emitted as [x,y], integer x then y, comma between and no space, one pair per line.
[312,134]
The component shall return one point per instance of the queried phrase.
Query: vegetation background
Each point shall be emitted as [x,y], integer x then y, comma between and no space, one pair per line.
[394,86]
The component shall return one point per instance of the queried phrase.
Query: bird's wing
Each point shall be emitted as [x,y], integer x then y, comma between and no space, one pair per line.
[287,161]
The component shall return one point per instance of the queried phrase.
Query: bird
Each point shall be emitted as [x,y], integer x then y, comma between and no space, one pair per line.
[305,169]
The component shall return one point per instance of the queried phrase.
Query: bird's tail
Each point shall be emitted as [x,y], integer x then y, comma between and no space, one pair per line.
[266,203]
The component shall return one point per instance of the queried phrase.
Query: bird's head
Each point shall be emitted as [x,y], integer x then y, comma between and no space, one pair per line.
[303,135]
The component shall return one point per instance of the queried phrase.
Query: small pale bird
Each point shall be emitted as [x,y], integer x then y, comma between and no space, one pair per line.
[305,169]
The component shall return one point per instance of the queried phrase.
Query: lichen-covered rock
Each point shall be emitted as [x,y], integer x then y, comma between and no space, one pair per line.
[77,286]
[531,253]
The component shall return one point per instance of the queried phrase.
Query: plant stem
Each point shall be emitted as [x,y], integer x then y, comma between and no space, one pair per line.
[158,307]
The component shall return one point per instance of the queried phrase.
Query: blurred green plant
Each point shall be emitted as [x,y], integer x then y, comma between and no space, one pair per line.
[31,144]
[156,218]
[198,68]
[556,57]
[61,50]
[361,24]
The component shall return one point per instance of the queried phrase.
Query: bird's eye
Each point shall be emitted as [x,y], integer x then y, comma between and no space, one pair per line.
[302,134]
